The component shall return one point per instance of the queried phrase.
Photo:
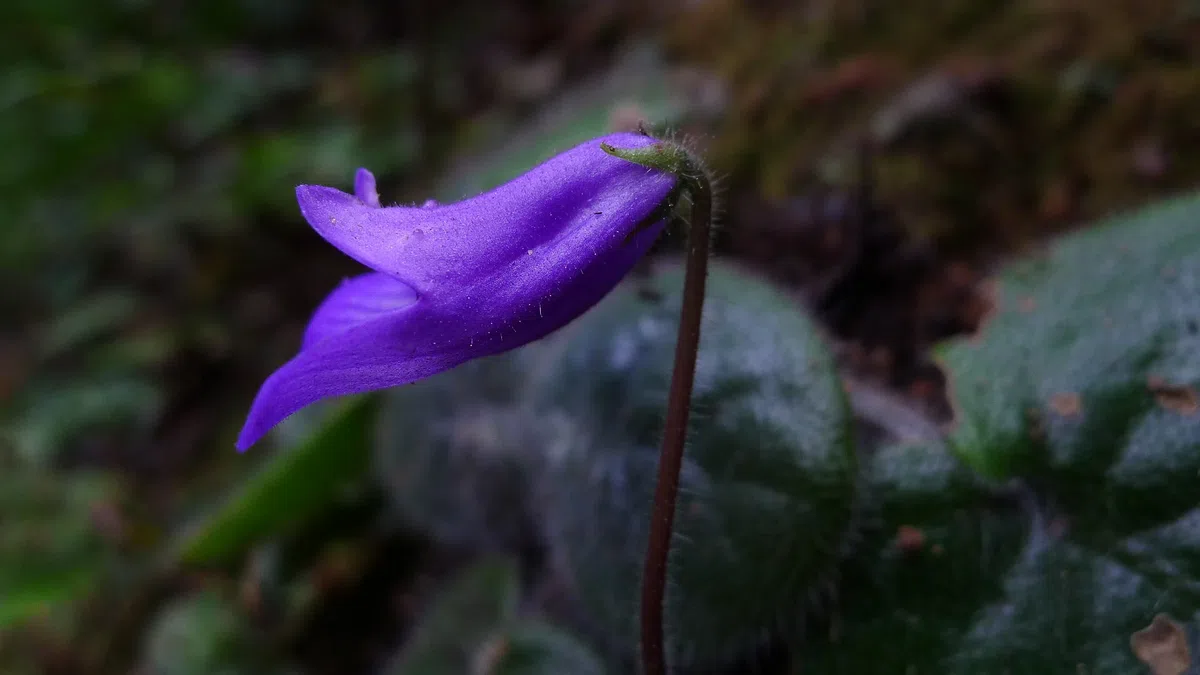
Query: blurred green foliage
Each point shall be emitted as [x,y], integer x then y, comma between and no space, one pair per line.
[55,540]
[474,628]
[149,154]
[289,488]
[200,634]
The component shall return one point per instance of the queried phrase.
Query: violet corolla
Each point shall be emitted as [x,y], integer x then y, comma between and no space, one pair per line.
[465,280]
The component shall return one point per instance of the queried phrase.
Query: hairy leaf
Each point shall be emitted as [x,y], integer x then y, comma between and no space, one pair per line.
[767,497]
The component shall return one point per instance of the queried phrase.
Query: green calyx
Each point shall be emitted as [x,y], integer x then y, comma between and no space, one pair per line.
[669,157]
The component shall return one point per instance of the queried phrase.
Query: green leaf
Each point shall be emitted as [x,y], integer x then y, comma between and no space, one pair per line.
[914,481]
[995,584]
[462,632]
[936,554]
[1085,384]
[1079,393]
[767,499]
[1061,378]
[291,485]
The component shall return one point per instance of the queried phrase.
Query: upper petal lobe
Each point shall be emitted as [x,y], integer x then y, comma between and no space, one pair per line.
[582,191]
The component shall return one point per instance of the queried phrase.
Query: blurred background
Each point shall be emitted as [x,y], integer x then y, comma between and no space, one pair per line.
[878,161]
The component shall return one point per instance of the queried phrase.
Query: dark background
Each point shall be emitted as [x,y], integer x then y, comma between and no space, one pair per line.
[879,158]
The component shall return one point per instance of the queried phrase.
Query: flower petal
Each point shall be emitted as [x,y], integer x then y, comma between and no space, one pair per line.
[364,188]
[345,221]
[583,194]
[357,301]
[346,351]
[386,351]
[466,280]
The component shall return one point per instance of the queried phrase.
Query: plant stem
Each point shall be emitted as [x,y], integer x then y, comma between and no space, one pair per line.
[679,402]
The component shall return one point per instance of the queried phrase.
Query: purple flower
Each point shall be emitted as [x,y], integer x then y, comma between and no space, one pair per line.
[461,281]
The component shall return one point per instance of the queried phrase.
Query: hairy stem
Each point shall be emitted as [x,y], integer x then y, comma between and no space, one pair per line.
[679,402]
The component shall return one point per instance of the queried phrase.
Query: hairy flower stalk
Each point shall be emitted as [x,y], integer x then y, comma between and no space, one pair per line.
[465,280]
[694,180]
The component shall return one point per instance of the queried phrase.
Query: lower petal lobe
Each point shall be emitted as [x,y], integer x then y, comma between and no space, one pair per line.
[357,301]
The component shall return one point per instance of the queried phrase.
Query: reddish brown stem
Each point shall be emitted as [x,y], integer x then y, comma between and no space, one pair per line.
[679,401]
